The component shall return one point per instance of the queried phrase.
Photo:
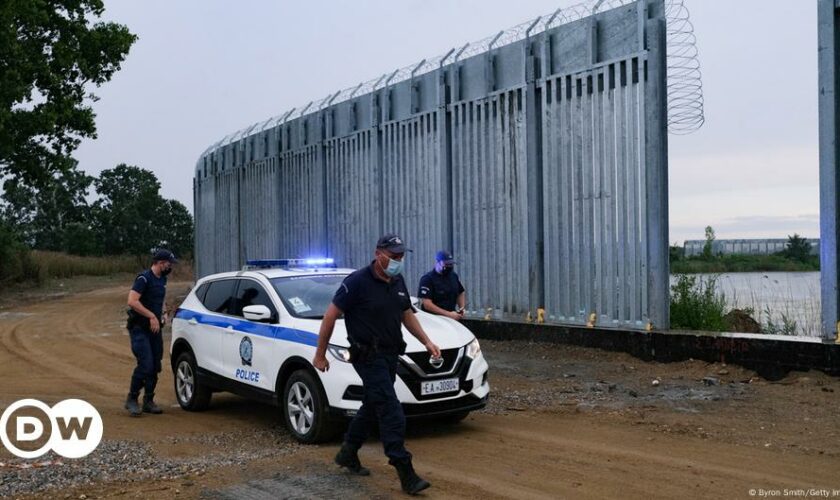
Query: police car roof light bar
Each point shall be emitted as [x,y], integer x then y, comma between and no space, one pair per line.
[289,264]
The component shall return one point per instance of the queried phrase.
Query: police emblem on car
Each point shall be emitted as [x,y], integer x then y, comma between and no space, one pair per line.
[246,351]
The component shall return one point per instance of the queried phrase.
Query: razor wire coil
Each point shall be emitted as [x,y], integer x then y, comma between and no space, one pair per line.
[684,86]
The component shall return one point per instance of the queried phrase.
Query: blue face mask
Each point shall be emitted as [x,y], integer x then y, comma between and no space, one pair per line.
[394,268]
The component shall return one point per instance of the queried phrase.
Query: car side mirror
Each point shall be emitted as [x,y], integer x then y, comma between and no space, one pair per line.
[257,312]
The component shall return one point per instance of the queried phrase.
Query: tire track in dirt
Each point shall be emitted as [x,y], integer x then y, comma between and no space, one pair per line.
[96,318]
[38,354]
[629,462]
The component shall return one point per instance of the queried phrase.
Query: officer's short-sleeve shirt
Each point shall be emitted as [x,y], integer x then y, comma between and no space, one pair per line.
[152,291]
[373,309]
[443,290]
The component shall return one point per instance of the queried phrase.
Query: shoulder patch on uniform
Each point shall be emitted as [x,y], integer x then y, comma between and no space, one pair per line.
[142,276]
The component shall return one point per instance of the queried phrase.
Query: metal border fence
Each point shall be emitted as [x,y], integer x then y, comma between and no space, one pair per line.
[539,156]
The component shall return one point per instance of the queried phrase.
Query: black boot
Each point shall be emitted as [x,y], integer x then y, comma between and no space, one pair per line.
[132,406]
[149,405]
[411,482]
[348,456]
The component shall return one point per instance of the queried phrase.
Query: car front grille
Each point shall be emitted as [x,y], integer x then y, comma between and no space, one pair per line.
[423,365]
[459,366]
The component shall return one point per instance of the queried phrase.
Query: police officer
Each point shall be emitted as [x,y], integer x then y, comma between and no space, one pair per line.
[441,290]
[375,303]
[145,321]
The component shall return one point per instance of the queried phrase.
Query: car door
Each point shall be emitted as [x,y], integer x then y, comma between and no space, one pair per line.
[212,324]
[247,347]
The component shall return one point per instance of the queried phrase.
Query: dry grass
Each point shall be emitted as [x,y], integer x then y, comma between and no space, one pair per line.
[52,265]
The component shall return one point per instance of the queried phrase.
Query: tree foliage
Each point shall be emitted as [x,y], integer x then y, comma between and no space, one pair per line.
[51,54]
[797,248]
[132,217]
[710,241]
[128,215]
[41,214]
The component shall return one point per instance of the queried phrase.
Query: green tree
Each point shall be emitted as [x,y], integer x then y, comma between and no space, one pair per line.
[797,248]
[676,253]
[710,240]
[177,231]
[51,55]
[131,217]
[13,255]
[41,213]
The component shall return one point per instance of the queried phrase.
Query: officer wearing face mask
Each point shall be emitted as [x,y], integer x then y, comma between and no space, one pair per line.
[375,304]
[441,290]
[146,318]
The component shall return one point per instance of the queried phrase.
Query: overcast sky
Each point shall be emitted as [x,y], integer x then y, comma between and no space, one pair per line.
[205,68]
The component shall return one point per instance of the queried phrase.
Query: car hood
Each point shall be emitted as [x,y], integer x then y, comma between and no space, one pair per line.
[445,332]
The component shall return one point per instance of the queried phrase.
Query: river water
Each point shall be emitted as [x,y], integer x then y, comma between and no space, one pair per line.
[795,296]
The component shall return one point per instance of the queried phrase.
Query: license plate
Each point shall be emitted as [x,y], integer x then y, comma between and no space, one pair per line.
[439,386]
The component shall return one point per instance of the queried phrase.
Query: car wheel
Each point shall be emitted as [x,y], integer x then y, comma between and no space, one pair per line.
[305,409]
[192,393]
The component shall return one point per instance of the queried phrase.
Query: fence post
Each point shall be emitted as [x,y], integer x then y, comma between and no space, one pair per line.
[656,154]
[828,15]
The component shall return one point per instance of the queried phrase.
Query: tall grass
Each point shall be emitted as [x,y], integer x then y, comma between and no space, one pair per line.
[61,265]
[780,309]
[696,304]
[40,266]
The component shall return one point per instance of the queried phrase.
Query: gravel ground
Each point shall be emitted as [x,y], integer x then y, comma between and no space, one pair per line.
[541,376]
[136,461]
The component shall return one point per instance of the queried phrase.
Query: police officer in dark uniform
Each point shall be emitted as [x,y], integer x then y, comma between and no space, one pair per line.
[441,290]
[146,318]
[375,303]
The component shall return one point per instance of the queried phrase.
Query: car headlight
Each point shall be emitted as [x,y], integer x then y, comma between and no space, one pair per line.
[340,353]
[473,349]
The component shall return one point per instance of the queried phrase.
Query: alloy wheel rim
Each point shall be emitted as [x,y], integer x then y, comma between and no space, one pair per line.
[301,408]
[184,382]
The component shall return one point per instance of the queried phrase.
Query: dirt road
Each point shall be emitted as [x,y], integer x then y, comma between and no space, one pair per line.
[564,422]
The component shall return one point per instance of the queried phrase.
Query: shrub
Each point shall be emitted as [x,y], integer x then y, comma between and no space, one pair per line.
[696,304]
[13,257]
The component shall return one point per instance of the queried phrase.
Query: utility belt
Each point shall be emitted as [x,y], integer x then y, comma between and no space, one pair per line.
[136,320]
[361,352]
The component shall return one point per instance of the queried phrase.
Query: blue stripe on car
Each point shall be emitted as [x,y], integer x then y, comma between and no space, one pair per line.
[250,327]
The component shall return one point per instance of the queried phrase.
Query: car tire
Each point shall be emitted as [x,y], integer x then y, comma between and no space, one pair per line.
[305,408]
[192,393]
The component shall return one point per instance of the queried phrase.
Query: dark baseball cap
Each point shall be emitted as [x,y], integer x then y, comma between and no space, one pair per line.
[163,254]
[392,243]
[445,257]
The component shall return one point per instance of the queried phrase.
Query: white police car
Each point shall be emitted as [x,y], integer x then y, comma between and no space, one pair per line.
[254,333]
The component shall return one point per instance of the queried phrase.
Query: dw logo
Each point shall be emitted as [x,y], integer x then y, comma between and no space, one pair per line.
[71,428]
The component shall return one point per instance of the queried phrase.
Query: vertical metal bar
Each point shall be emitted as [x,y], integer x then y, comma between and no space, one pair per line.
[568,201]
[828,18]
[549,277]
[621,194]
[610,244]
[636,280]
[503,290]
[472,182]
[597,194]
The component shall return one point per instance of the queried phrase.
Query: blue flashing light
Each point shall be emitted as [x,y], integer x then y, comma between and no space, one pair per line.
[311,263]
[319,262]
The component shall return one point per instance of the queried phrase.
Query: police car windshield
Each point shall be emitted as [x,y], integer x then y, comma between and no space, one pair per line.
[307,296]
